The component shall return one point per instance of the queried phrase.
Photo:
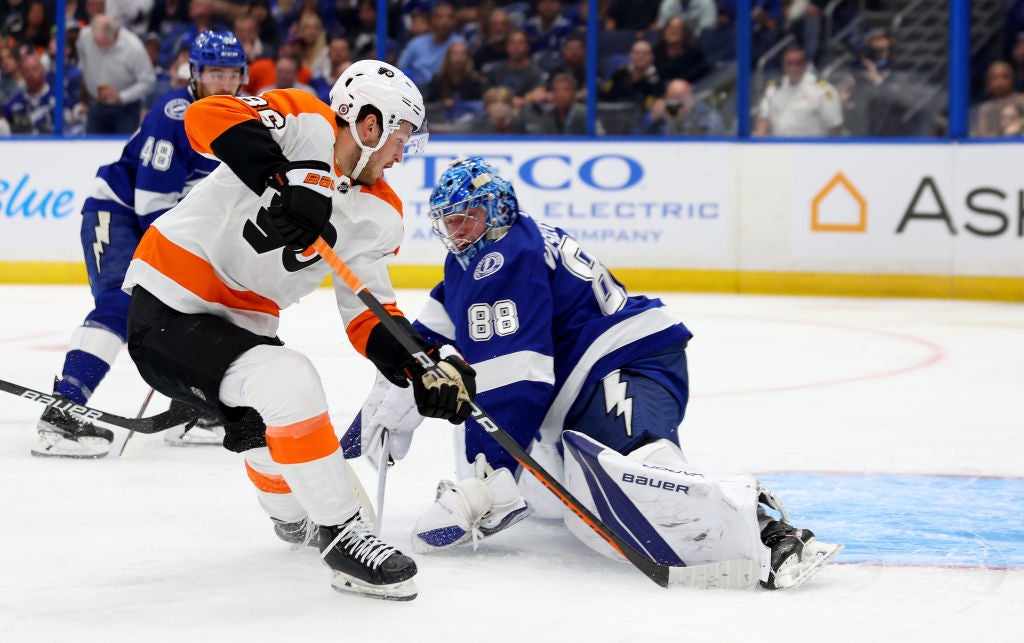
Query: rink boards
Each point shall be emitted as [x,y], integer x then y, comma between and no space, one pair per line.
[926,219]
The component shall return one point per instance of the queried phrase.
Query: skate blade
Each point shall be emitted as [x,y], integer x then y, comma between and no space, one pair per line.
[85,448]
[193,439]
[728,574]
[816,556]
[402,591]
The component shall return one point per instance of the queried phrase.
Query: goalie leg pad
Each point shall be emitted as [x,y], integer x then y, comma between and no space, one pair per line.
[666,509]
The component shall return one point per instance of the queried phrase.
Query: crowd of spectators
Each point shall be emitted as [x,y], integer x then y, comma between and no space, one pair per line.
[664,67]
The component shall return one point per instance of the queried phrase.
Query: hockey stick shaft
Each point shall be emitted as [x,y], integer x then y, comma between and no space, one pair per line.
[382,478]
[134,442]
[655,571]
[152,424]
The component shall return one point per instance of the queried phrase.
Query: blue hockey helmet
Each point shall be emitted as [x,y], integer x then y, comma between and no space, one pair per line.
[471,207]
[216,49]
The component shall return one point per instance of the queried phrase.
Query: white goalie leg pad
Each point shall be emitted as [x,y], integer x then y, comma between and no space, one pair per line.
[322,486]
[668,510]
[473,509]
[543,503]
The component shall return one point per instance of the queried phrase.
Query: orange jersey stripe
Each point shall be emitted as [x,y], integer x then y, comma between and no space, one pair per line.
[208,118]
[263,482]
[364,323]
[196,275]
[385,193]
[303,441]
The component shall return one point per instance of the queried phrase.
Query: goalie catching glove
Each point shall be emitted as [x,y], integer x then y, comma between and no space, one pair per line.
[301,208]
[448,397]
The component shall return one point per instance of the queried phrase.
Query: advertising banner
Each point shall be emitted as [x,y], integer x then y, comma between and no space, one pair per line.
[643,205]
[43,185]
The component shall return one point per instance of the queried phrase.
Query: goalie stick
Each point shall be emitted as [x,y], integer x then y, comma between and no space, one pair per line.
[151,424]
[727,574]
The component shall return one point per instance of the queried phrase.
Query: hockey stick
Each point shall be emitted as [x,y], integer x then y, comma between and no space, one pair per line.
[736,573]
[134,443]
[386,462]
[151,424]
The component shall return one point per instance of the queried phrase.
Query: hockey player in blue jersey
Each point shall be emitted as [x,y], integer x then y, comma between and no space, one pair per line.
[157,168]
[592,380]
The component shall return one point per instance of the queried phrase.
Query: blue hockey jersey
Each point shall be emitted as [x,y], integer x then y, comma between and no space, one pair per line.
[157,166]
[541,321]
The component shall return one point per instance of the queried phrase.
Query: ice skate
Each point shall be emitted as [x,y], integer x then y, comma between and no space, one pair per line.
[64,436]
[364,564]
[206,431]
[470,510]
[796,554]
[299,534]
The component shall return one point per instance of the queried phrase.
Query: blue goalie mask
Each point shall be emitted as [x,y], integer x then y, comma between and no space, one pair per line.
[216,49]
[471,207]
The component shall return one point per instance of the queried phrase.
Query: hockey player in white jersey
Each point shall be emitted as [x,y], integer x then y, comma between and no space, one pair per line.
[157,168]
[593,380]
[211,276]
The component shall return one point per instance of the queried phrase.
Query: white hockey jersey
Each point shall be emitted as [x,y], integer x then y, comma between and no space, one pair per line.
[214,252]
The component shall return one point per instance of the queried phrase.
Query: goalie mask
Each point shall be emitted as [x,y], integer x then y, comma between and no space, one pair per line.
[386,88]
[216,49]
[471,207]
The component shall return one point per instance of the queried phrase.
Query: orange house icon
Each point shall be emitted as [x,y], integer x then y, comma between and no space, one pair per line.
[839,181]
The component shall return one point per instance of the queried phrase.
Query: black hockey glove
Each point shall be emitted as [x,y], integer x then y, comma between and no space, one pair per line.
[302,208]
[447,397]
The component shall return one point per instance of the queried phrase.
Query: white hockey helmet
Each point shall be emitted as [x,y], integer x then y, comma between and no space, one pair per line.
[389,90]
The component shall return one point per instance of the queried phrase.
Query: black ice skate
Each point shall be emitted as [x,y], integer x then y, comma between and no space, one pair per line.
[364,564]
[63,435]
[299,534]
[796,555]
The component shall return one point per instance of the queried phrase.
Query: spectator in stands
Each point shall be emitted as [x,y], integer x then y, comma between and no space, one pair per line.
[247,30]
[798,104]
[499,114]
[680,113]
[1017,62]
[558,113]
[999,88]
[547,31]
[117,75]
[637,81]
[259,10]
[457,80]
[895,103]
[1011,120]
[326,71]
[31,110]
[263,72]
[286,75]
[35,33]
[676,55]
[423,55]
[635,15]
[697,14]
[201,18]
[574,62]
[130,14]
[802,19]
[10,76]
[493,43]
[517,72]
[766,19]
[310,29]
[72,83]
[167,17]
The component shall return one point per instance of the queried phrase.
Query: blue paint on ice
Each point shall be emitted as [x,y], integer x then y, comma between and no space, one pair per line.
[910,519]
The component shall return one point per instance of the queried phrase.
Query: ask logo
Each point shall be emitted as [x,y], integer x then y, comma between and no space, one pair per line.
[839,207]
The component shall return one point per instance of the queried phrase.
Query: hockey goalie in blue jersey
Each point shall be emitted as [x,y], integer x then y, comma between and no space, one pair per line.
[156,170]
[591,380]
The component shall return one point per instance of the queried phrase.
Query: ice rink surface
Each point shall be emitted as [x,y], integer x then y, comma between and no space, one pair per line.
[893,426]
